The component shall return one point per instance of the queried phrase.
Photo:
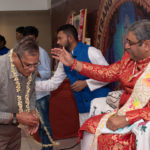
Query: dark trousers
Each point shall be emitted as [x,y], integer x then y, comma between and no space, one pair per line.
[43,108]
[10,137]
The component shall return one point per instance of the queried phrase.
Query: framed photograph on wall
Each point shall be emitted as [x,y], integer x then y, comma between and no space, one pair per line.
[79,21]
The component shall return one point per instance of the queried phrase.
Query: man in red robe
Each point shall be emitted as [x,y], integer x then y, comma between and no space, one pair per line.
[126,71]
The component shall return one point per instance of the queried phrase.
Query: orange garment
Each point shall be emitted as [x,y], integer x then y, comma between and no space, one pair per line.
[127,72]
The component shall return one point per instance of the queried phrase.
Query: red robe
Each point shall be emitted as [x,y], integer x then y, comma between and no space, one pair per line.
[126,72]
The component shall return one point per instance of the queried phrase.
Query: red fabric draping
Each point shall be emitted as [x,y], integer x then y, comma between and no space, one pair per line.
[63,113]
[64,116]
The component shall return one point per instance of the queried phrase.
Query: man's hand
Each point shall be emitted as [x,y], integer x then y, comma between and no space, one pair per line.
[116,122]
[28,118]
[33,129]
[63,56]
[78,85]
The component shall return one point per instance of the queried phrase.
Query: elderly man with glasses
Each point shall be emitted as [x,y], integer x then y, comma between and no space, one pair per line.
[17,94]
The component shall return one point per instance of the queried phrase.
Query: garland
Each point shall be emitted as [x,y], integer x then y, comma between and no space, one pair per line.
[27,103]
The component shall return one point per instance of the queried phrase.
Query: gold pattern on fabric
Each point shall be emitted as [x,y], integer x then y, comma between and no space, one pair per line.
[132,117]
[137,100]
[116,141]
[145,115]
[117,146]
[139,114]
[101,73]
[91,125]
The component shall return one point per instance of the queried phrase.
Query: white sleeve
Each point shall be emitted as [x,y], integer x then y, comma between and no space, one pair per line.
[96,57]
[54,82]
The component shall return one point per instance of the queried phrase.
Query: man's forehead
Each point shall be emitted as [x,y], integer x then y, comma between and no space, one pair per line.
[27,54]
[131,36]
[61,33]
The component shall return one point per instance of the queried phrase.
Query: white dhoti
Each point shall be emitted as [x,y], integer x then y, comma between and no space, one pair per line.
[83,117]
[98,106]
[87,141]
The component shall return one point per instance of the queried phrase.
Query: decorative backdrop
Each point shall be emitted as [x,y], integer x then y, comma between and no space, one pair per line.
[113,18]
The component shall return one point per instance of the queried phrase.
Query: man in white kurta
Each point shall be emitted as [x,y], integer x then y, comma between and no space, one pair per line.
[95,56]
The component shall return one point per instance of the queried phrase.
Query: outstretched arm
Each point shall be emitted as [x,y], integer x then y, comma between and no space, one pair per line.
[97,72]
[54,82]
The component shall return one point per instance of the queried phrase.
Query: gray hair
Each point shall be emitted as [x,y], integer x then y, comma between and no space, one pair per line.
[141,29]
[26,44]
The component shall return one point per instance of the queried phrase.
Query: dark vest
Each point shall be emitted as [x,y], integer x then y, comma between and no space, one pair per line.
[84,97]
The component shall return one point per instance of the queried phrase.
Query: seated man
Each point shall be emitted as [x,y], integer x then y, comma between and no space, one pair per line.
[133,73]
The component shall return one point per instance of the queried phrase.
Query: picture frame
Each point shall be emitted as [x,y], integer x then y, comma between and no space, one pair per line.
[79,21]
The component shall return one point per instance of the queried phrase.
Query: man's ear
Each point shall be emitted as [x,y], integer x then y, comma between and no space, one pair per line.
[70,38]
[146,45]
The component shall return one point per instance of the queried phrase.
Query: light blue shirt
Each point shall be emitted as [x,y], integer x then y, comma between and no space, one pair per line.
[44,71]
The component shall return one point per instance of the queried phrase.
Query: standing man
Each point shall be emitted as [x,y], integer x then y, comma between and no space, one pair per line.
[17,93]
[84,89]
[42,102]
[19,33]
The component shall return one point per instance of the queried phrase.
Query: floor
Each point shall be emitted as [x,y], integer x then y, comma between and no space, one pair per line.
[29,144]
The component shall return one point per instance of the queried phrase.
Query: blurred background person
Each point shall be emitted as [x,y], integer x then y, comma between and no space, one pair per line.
[3,48]
[19,33]
[42,98]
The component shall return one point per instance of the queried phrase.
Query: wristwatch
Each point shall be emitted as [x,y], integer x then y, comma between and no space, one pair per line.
[14,120]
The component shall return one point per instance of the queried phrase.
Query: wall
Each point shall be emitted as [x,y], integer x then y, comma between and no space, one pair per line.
[61,10]
[14,5]
[12,19]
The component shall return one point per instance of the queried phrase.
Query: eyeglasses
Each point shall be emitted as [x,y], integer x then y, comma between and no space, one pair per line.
[27,66]
[131,43]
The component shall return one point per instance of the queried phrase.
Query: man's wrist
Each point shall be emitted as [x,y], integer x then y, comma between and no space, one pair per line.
[72,61]
[14,119]
[73,64]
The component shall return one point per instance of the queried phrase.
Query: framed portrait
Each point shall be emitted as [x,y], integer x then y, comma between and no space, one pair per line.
[79,21]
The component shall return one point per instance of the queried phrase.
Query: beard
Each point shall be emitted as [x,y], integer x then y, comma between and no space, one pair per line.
[131,54]
[67,45]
